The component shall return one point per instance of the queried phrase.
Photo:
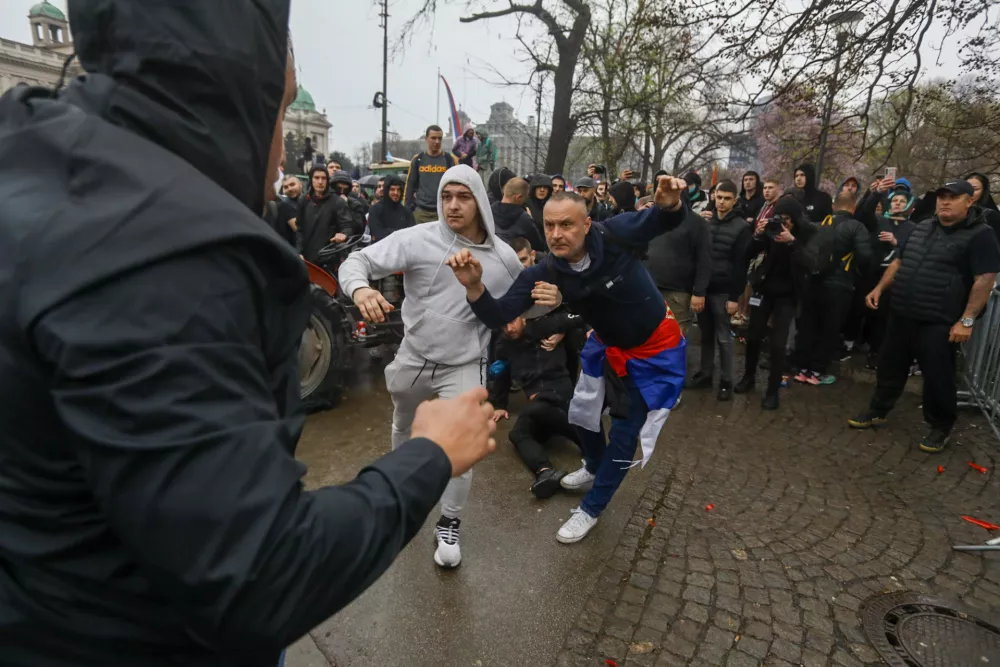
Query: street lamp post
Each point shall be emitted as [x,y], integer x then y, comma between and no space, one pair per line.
[845,21]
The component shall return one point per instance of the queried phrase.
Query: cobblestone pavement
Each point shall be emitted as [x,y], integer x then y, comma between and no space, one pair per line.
[761,533]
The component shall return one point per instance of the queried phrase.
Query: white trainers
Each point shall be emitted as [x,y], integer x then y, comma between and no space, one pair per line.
[577,479]
[448,554]
[577,527]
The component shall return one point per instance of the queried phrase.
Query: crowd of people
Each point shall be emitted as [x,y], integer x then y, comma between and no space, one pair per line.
[152,511]
[802,276]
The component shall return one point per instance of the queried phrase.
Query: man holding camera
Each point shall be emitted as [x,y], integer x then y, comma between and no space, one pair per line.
[941,281]
[778,278]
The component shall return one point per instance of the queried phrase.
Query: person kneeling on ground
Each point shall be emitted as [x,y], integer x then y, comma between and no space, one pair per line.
[636,354]
[525,356]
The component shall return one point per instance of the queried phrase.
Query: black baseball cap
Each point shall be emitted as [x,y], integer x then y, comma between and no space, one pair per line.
[957,188]
[585,182]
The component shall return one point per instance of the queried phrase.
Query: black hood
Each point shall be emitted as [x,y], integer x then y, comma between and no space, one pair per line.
[986,199]
[540,181]
[497,180]
[205,83]
[758,191]
[624,194]
[391,180]
[810,172]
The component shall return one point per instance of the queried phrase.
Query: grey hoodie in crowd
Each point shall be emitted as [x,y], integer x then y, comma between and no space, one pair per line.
[438,324]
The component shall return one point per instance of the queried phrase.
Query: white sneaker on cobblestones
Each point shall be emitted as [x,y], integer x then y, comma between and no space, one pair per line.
[577,479]
[577,527]
[448,553]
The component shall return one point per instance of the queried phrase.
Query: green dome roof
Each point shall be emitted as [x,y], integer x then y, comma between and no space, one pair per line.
[303,101]
[46,8]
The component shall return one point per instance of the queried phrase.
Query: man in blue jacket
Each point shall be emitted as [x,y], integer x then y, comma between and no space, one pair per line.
[635,355]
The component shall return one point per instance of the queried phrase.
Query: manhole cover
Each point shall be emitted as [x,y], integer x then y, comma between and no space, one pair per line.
[912,630]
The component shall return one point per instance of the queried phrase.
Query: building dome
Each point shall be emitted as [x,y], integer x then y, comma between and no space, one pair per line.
[303,101]
[46,8]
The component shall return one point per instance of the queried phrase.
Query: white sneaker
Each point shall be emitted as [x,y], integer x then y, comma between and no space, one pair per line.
[577,479]
[448,554]
[577,527]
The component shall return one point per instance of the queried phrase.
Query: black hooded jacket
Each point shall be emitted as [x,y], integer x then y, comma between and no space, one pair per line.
[785,268]
[387,216]
[752,205]
[512,221]
[151,511]
[817,204]
[536,206]
[988,211]
[320,217]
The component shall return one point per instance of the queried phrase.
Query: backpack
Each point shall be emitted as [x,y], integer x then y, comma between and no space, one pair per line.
[825,243]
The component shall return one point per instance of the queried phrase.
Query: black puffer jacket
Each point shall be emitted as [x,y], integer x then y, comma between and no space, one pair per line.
[151,509]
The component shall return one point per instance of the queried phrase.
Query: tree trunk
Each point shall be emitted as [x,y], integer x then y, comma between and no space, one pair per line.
[562,127]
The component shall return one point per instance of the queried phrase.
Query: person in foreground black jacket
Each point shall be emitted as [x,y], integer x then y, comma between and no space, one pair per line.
[828,296]
[510,217]
[388,214]
[152,512]
[778,282]
[526,356]
[940,284]
[730,238]
[680,263]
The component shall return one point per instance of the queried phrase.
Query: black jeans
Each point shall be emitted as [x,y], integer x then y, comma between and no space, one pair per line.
[538,422]
[927,342]
[782,308]
[818,326]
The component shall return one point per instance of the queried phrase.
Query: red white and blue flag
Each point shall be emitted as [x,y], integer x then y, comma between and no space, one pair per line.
[657,367]
[456,122]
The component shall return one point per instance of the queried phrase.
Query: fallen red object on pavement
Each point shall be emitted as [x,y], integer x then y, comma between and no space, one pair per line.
[651,522]
[610,663]
[981,524]
[976,467]
[940,469]
[709,507]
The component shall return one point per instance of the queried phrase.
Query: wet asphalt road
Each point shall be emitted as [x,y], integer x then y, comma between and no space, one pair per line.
[517,591]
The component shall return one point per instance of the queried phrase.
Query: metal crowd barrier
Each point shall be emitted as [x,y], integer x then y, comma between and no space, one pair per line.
[982,364]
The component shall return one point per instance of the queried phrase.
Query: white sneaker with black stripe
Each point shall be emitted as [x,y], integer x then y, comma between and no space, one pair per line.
[448,554]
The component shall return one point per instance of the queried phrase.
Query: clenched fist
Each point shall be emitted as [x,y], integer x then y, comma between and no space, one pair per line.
[668,192]
[461,426]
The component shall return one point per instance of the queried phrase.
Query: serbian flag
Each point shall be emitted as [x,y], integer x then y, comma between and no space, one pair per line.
[657,367]
[456,122]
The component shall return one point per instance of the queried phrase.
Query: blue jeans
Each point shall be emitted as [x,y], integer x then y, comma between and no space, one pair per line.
[610,460]
[281,659]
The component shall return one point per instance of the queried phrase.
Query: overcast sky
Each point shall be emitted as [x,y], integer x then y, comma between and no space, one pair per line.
[338,45]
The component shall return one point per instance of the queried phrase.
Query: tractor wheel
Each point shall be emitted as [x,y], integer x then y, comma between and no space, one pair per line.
[323,354]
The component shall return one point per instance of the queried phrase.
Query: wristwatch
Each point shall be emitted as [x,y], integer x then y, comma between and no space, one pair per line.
[967,322]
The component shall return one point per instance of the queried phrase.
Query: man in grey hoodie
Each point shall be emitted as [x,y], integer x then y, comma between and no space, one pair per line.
[444,348]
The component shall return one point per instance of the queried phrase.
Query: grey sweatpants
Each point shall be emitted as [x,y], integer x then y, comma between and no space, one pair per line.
[716,332]
[411,381]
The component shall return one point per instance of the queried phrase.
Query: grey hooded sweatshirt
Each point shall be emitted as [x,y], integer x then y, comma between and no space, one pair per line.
[438,324]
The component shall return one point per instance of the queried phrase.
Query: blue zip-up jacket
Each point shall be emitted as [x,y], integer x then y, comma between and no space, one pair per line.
[615,296]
